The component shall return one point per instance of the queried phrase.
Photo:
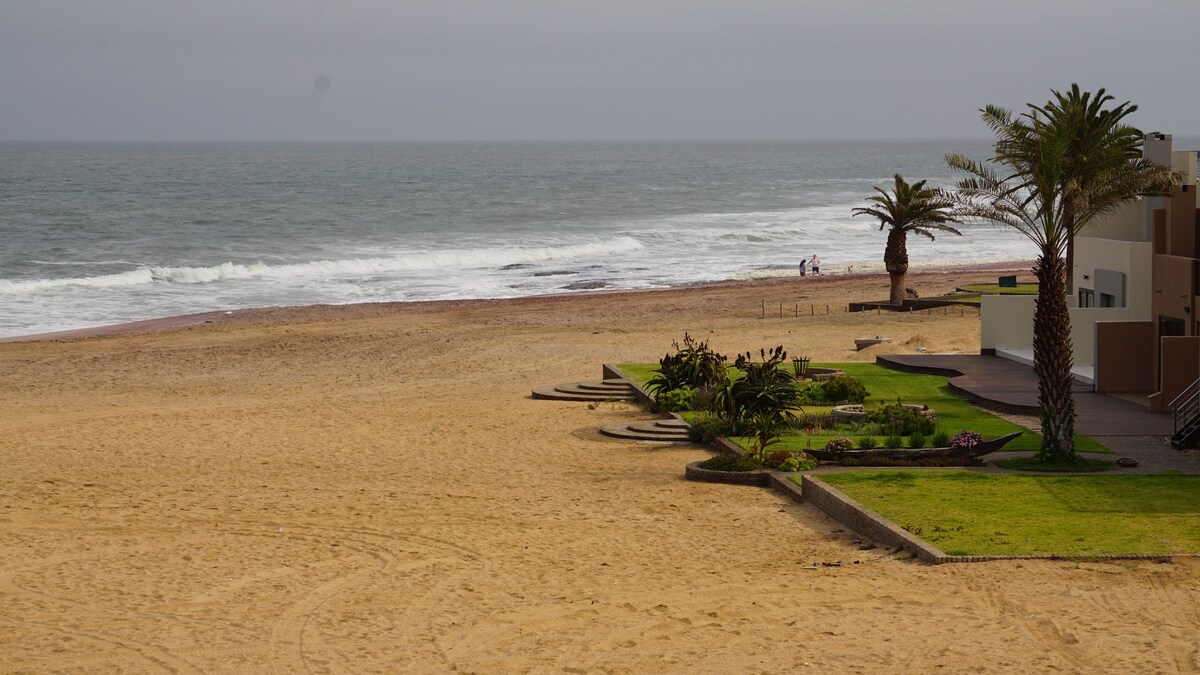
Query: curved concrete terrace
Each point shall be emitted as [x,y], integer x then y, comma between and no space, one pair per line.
[1001,384]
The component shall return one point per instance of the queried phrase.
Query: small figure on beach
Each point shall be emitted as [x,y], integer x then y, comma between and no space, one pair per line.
[815,264]
[803,266]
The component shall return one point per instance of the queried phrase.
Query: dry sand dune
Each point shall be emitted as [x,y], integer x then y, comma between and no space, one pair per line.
[371,489]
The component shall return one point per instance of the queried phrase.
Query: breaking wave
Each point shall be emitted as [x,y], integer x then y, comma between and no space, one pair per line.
[333,269]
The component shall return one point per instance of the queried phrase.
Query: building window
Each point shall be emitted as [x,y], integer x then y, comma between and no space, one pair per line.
[1087,298]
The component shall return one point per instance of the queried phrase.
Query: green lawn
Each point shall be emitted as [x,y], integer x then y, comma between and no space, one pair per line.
[970,513]
[886,385]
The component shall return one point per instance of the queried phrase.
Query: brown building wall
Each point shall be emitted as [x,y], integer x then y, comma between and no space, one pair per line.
[1181,221]
[1180,365]
[1125,356]
[1174,289]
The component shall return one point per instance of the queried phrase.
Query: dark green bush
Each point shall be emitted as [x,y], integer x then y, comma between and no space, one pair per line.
[800,462]
[841,389]
[898,420]
[893,442]
[866,443]
[764,390]
[729,463]
[705,428]
[916,440]
[694,364]
[941,439]
[676,400]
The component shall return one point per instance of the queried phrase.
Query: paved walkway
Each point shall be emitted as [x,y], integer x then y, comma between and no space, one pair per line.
[1006,385]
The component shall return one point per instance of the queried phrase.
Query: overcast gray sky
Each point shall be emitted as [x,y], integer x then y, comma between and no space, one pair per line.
[561,69]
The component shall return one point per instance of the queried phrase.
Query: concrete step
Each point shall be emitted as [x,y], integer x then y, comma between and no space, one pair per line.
[650,427]
[627,431]
[602,395]
[568,392]
[607,385]
[672,423]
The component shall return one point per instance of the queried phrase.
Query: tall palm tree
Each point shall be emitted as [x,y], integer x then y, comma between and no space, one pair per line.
[1098,142]
[909,208]
[1046,195]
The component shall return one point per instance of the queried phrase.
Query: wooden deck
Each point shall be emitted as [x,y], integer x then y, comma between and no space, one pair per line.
[998,383]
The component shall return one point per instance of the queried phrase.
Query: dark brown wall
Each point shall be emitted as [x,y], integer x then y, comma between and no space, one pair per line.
[1174,289]
[1125,356]
[1181,221]
[1180,365]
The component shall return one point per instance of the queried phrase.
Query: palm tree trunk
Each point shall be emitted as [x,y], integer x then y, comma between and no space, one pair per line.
[1052,360]
[895,259]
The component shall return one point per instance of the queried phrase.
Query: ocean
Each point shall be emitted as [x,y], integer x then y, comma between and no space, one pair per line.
[96,234]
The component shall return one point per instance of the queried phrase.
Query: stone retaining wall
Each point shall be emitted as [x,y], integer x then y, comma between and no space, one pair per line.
[611,372]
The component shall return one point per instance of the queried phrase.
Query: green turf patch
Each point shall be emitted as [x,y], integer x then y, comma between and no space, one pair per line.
[1083,465]
[972,513]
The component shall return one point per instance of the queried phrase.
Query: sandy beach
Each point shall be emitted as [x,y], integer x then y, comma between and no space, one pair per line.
[370,488]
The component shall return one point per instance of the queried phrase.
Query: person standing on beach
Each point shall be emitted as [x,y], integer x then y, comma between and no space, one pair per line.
[815,265]
[803,266]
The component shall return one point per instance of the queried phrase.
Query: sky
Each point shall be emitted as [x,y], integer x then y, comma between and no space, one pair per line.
[363,70]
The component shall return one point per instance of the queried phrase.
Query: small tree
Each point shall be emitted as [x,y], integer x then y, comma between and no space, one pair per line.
[909,208]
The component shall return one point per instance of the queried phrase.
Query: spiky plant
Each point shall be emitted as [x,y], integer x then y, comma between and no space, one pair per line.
[1040,191]
[908,208]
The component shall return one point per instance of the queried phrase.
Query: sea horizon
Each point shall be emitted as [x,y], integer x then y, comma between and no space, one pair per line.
[110,232]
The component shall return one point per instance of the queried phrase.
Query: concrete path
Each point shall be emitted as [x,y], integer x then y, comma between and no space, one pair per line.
[1006,385]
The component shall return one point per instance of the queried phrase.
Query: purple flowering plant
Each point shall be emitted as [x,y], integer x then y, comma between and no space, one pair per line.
[965,440]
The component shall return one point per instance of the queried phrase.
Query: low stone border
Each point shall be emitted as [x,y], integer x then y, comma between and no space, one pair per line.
[864,521]
[755,478]
[611,372]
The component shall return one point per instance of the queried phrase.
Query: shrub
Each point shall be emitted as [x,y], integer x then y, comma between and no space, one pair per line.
[800,462]
[675,400]
[765,431]
[764,389]
[966,440]
[893,441]
[839,445]
[729,463]
[777,458]
[694,364]
[901,421]
[844,389]
[941,439]
[916,440]
[811,422]
[811,394]
[867,442]
[705,428]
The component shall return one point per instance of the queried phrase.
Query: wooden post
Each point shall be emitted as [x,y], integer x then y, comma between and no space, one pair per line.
[764,309]
[781,310]
[797,310]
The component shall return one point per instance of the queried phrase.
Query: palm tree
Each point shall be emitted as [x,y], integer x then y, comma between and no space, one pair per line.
[1099,141]
[1048,193]
[909,208]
